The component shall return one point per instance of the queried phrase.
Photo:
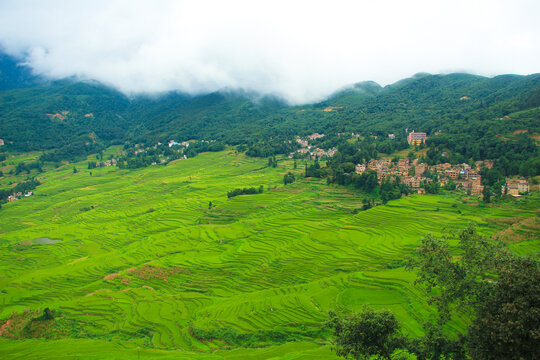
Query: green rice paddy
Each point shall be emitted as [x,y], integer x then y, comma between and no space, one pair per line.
[145,269]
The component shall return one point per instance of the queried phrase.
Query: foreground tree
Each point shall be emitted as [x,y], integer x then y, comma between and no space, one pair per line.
[507,323]
[435,345]
[498,291]
[365,334]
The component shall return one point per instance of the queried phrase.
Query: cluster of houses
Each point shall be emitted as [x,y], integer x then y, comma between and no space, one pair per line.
[183,144]
[111,162]
[516,187]
[1,142]
[312,151]
[18,195]
[174,143]
[413,174]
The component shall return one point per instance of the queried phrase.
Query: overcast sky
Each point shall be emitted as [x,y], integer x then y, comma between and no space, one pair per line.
[300,50]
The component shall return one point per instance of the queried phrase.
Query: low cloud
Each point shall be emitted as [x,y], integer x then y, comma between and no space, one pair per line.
[299,50]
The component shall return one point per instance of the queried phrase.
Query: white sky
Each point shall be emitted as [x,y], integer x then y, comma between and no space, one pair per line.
[299,50]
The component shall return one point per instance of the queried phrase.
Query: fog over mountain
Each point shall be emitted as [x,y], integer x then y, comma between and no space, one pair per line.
[300,51]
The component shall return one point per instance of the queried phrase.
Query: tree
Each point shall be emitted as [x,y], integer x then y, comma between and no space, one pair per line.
[365,334]
[486,194]
[507,321]
[288,178]
[367,204]
[498,291]
[47,314]
[435,345]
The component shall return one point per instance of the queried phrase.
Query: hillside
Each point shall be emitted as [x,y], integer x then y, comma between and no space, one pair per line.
[116,243]
[136,263]
[14,75]
[454,103]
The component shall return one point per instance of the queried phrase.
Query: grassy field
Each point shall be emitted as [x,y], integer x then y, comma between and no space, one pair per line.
[144,268]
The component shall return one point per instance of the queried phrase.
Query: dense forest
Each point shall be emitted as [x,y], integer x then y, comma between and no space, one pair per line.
[475,118]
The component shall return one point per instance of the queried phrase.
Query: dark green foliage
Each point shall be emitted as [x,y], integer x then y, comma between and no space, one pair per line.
[288,178]
[499,291]
[23,187]
[47,314]
[480,127]
[391,190]
[272,162]
[237,339]
[432,187]
[366,334]
[486,194]
[508,317]
[450,185]
[14,75]
[314,170]
[367,203]
[530,167]
[456,279]
[435,345]
[27,167]
[244,191]
[279,145]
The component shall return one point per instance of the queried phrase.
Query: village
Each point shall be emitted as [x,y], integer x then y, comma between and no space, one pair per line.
[18,195]
[411,172]
[416,174]
[140,149]
[312,151]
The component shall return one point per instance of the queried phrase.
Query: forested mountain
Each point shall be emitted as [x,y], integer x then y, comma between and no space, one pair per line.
[14,75]
[74,118]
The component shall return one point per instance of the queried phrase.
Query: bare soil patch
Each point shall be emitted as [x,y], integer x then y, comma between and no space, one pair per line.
[150,272]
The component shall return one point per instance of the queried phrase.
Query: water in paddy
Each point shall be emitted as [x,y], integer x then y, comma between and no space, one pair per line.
[46,240]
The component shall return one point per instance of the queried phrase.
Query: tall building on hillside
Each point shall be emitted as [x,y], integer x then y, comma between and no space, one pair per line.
[1,142]
[415,138]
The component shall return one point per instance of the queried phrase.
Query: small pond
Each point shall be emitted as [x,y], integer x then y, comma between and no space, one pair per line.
[46,240]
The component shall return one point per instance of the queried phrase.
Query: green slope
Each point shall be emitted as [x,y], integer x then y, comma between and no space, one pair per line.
[145,267]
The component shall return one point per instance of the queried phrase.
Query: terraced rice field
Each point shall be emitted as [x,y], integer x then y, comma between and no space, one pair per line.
[144,267]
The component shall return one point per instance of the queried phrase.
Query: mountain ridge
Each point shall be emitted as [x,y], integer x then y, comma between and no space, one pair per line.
[425,102]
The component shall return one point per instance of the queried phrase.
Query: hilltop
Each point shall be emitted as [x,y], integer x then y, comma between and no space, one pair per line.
[97,116]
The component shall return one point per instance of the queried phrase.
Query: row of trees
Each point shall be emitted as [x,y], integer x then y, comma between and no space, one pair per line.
[245,191]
